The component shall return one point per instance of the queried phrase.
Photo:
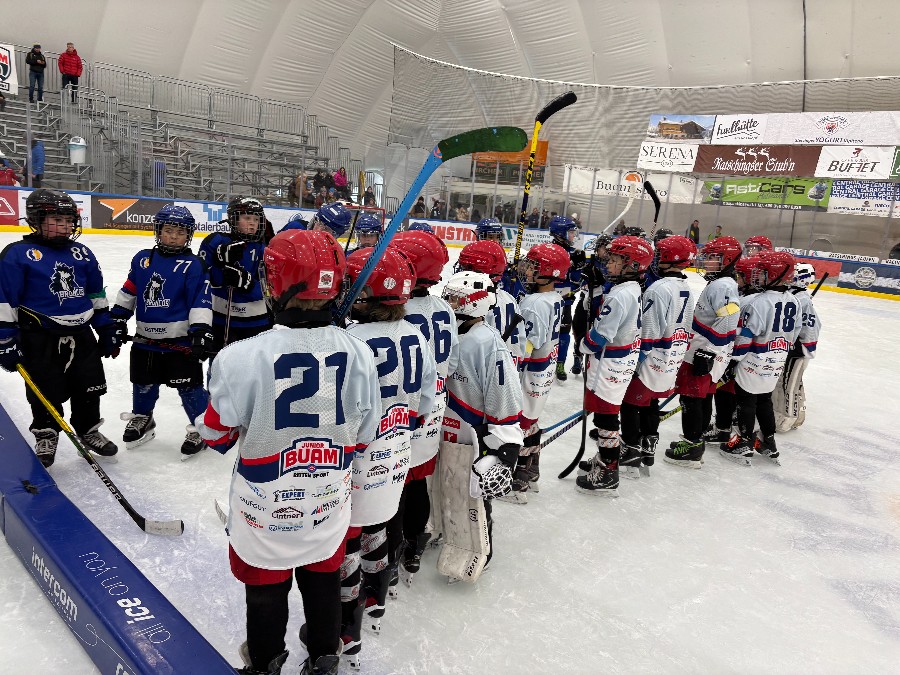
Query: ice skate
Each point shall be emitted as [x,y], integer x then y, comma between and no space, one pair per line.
[373,613]
[45,442]
[518,493]
[192,443]
[603,480]
[139,430]
[630,461]
[738,450]
[578,365]
[533,468]
[412,557]
[586,465]
[561,371]
[97,443]
[274,667]
[351,639]
[394,583]
[648,453]
[686,453]
[716,435]
[332,659]
[767,448]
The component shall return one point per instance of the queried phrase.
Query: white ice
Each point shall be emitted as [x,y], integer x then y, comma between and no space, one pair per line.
[791,569]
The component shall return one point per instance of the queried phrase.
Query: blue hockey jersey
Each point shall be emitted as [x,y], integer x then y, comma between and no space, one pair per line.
[168,295]
[248,310]
[59,289]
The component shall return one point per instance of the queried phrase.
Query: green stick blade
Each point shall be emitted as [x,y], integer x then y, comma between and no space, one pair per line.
[489,139]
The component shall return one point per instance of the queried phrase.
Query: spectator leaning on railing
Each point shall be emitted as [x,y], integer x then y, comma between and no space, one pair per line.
[70,66]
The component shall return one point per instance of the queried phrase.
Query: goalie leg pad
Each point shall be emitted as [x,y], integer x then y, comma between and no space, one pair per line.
[789,396]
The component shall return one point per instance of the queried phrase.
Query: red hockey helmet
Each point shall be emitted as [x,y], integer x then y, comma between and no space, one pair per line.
[676,251]
[773,269]
[744,267]
[303,264]
[758,243]
[392,279]
[637,252]
[486,256]
[427,253]
[721,253]
[549,261]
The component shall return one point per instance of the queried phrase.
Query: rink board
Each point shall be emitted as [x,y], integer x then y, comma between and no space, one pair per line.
[122,621]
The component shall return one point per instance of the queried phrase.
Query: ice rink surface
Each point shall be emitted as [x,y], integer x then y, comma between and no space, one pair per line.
[766,569]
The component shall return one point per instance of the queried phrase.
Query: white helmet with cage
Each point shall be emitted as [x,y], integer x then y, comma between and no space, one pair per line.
[470,294]
[804,275]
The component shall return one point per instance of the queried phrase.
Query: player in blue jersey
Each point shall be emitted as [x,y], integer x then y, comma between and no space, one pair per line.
[296,222]
[167,291]
[51,295]
[334,218]
[489,229]
[368,229]
[564,232]
[420,226]
[234,257]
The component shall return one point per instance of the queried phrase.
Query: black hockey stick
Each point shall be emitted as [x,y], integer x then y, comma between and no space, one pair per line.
[578,455]
[141,340]
[565,426]
[650,190]
[819,285]
[165,527]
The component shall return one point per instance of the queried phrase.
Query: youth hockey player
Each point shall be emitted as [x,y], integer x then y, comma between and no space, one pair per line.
[167,290]
[489,229]
[756,244]
[434,318]
[666,316]
[789,397]
[613,342]
[482,437]
[564,232]
[594,284]
[715,319]
[313,403]
[234,257]
[368,230]
[423,227]
[769,326]
[51,295]
[407,377]
[544,266]
[297,222]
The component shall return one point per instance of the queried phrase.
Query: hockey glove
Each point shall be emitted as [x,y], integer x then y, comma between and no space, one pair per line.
[703,362]
[228,254]
[728,375]
[494,477]
[111,338]
[578,258]
[237,277]
[202,343]
[507,453]
[10,355]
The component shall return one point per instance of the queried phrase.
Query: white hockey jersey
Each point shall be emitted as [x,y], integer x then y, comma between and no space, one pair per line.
[666,318]
[407,377]
[302,403]
[770,324]
[812,324]
[501,316]
[483,391]
[614,341]
[541,314]
[435,320]
[715,320]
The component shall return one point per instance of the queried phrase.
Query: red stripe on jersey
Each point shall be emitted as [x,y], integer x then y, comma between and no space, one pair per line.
[129,287]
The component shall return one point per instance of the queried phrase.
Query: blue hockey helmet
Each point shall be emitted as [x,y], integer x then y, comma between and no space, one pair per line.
[296,222]
[368,229]
[489,229]
[179,216]
[423,227]
[563,230]
[334,218]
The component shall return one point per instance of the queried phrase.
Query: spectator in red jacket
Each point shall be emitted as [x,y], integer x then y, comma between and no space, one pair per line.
[70,66]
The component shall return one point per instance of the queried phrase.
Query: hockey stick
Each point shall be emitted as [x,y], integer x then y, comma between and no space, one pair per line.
[164,527]
[567,424]
[574,416]
[819,285]
[489,139]
[139,339]
[228,317]
[557,104]
[632,178]
[650,190]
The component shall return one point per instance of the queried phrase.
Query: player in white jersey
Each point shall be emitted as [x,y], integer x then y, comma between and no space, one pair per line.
[434,319]
[667,313]
[311,404]
[542,268]
[407,377]
[715,319]
[482,437]
[612,345]
[789,397]
[769,326]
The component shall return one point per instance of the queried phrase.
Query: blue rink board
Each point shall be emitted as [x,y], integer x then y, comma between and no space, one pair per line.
[122,621]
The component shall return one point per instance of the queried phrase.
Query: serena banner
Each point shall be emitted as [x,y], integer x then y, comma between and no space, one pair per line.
[757,160]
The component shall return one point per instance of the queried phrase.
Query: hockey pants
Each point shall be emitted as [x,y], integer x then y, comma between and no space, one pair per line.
[752,407]
[696,414]
[638,421]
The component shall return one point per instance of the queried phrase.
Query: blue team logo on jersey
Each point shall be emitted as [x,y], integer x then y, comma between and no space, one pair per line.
[63,284]
[153,292]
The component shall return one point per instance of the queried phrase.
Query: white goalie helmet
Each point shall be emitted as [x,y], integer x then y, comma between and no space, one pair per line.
[804,275]
[470,294]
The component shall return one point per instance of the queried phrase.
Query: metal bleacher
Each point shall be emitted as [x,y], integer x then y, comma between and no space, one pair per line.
[160,136]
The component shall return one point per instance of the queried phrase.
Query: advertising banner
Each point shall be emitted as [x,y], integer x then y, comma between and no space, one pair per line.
[795,194]
[9,81]
[757,160]
[863,198]
[609,183]
[125,213]
[9,207]
[667,156]
[881,127]
[855,162]
[870,277]
[680,128]
[739,129]
[509,174]
[82,201]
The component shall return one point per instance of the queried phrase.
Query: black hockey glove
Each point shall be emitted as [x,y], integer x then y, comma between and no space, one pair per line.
[202,343]
[578,258]
[237,277]
[10,355]
[703,362]
[111,338]
[228,254]
[508,453]
[728,375]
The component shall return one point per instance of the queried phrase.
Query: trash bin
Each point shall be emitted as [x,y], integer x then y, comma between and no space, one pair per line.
[77,150]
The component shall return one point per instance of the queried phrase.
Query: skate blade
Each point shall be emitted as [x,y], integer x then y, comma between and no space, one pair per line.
[630,472]
[352,659]
[146,438]
[737,459]
[185,457]
[773,460]
[533,487]
[406,576]
[685,463]
[374,625]
[106,459]
[598,493]
[645,472]
[394,592]
[514,498]
[435,542]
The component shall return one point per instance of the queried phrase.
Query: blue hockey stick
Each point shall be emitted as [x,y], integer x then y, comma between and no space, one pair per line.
[490,139]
